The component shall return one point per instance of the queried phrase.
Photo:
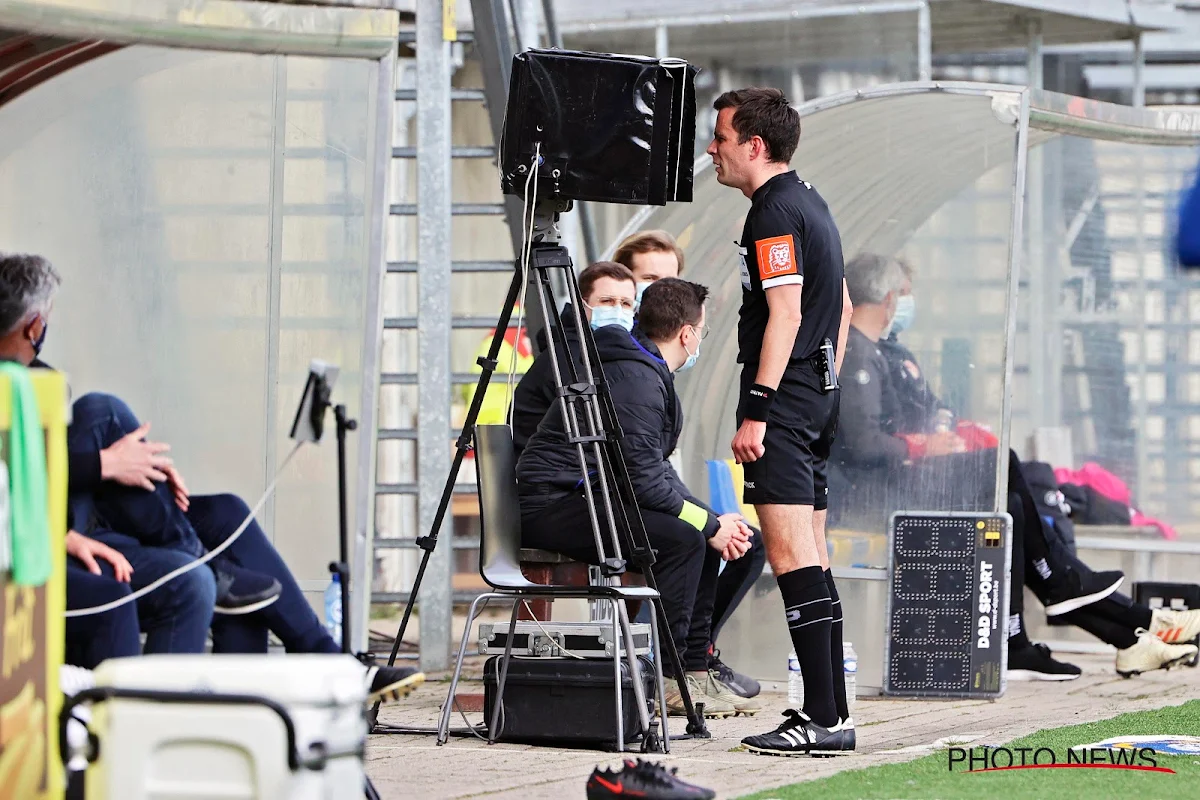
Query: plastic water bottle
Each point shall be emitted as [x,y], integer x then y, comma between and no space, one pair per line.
[850,670]
[333,608]
[795,681]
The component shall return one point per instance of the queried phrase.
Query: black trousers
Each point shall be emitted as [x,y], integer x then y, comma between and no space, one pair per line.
[685,567]
[736,581]
[1112,620]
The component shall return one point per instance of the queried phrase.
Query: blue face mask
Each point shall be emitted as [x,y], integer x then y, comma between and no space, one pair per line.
[692,358]
[603,316]
[637,298]
[906,311]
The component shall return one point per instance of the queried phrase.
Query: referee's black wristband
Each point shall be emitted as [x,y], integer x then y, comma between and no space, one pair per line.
[757,403]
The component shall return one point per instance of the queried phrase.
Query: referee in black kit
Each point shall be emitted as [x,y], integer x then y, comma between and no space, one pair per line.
[791,335]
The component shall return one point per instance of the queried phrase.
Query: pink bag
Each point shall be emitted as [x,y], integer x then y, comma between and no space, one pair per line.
[1112,487]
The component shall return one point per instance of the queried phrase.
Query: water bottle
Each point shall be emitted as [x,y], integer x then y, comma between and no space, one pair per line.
[333,608]
[850,670]
[795,681]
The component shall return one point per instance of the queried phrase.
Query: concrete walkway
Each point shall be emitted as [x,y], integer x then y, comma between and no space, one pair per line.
[414,767]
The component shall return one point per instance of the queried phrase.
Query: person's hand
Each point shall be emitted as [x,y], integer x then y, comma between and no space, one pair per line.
[944,443]
[88,550]
[912,369]
[725,533]
[731,536]
[748,441]
[178,488]
[739,545]
[134,462]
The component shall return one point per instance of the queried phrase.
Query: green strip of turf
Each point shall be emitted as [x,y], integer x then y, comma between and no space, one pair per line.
[929,777]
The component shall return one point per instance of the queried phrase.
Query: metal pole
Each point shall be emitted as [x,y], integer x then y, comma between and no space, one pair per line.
[1040,294]
[661,42]
[526,23]
[1015,250]
[433,320]
[371,364]
[924,44]
[1139,71]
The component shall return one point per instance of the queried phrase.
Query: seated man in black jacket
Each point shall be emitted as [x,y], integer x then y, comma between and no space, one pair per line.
[688,538]
[608,292]
[897,450]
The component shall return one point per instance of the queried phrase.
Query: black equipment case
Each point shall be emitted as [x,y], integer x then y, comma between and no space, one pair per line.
[564,701]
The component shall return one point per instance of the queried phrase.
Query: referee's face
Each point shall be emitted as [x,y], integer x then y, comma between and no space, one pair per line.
[729,158]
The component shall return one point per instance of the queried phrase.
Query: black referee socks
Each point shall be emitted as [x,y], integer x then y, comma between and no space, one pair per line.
[809,611]
[835,650]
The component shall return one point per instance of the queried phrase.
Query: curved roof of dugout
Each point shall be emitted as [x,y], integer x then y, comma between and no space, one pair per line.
[885,159]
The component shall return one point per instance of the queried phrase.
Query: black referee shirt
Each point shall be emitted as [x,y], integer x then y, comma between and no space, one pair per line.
[790,238]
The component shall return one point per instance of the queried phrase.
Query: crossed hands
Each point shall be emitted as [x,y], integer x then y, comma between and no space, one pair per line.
[732,539]
[136,461]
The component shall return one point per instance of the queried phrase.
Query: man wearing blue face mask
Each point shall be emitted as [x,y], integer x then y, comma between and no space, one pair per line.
[917,406]
[689,539]
[607,289]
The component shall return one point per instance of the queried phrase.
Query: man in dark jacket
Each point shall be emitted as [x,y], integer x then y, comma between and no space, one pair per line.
[890,472]
[639,369]
[607,289]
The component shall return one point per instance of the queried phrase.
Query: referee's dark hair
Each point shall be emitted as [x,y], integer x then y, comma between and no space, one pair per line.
[669,304]
[764,113]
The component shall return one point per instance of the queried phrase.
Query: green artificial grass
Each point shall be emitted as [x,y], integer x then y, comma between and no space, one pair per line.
[929,777]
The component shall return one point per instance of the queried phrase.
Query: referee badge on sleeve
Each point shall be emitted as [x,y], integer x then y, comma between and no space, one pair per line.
[776,257]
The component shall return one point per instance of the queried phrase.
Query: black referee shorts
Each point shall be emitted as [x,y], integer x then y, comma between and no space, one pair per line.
[800,429]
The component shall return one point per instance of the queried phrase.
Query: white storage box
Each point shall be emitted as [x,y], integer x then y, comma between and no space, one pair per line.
[152,750]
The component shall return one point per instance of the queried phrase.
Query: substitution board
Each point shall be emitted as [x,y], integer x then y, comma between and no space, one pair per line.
[947,616]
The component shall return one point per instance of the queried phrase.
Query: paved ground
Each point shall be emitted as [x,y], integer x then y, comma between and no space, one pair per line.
[414,767]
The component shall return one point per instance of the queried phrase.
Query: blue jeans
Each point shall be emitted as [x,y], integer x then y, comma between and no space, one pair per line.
[113,634]
[290,617]
[175,617]
[152,518]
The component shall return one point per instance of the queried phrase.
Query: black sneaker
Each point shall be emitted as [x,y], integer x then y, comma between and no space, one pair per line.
[1072,589]
[1033,663]
[242,591]
[739,684]
[849,740]
[643,779]
[800,736]
[392,683]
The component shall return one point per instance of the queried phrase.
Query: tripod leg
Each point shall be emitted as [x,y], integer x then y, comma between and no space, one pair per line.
[659,683]
[488,366]
[493,726]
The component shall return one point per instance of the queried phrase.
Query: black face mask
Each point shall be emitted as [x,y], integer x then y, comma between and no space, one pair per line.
[41,340]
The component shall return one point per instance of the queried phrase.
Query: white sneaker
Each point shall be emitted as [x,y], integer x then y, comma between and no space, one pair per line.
[72,680]
[1175,626]
[1151,653]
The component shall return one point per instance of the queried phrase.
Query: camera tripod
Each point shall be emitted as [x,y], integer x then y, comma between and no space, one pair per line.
[593,429]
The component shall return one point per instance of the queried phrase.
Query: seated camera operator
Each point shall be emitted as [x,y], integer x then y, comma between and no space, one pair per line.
[639,368]
[129,505]
[885,398]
